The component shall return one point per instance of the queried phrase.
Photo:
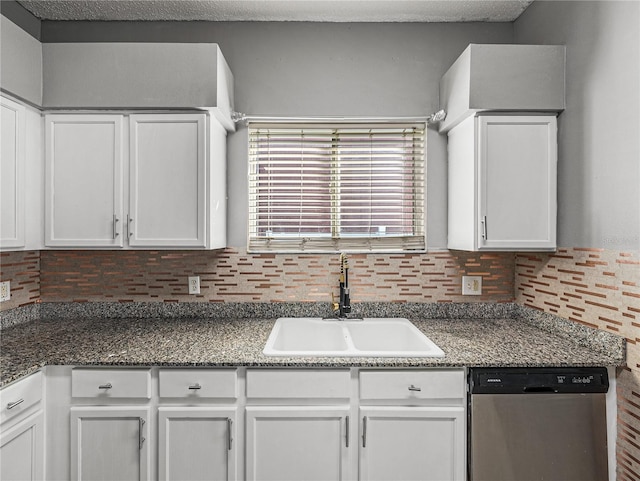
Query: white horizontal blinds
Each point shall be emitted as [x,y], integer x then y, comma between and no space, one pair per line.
[326,187]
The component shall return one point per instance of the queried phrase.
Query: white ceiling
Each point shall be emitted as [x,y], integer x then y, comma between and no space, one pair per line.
[281,10]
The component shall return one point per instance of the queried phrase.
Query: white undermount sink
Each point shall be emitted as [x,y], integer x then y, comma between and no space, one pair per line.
[369,337]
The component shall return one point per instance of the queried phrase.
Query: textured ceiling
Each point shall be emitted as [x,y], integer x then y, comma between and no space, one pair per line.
[281,10]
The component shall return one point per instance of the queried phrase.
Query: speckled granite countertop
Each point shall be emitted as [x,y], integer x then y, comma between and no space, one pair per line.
[520,340]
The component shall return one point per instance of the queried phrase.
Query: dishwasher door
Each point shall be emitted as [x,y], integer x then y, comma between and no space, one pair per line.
[538,436]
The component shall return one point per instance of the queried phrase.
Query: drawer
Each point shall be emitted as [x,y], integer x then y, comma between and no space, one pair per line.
[20,396]
[410,384]
[198,383]
[111,383]
[298,383]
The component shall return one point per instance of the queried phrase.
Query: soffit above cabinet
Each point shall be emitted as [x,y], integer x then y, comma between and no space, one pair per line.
[503,78]
[137,75]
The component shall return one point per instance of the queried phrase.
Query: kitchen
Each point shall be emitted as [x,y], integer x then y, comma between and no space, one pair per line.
[388,70]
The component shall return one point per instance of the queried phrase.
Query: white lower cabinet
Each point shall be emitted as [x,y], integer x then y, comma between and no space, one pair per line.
[21,450]
[110,443]
[292,443]
[197,444]
[412,443]
[22,430]
[254,424]
[197,424]
[111,438]
[297,424]
[412,424]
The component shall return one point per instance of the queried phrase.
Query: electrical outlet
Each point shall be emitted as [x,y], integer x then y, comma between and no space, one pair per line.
[5,291]
[471,285]
[194,284]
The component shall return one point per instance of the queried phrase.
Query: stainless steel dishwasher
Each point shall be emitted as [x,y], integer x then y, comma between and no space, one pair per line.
[537,424]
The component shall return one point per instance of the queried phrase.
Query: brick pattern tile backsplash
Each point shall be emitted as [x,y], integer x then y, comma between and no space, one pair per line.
[22,269]
[598,288]
[233,275]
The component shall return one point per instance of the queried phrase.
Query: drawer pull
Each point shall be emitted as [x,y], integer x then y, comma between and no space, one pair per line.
[105,386]
[15,403]
[195,387]
[414,388]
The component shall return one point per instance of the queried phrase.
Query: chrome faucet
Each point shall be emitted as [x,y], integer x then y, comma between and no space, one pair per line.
[343,306]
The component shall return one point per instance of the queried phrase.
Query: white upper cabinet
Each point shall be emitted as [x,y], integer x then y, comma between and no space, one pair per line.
[502,183]
[21,171]
[144,181]
[83,180]
[167,180]
[12,179]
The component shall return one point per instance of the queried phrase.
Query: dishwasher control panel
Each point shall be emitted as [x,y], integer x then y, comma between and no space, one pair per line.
[538,380]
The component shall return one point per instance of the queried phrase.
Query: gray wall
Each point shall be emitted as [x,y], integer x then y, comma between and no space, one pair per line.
[319,69]
[345,70]
[599,132]
[21,67]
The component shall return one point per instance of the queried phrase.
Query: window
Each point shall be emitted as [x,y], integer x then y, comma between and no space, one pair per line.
[320,187]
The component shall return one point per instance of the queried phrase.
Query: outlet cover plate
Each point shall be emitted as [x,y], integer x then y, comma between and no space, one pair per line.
[5,291]
[194,284]
[471,285]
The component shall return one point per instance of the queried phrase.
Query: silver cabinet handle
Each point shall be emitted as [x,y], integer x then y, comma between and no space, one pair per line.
[115,226]
[346,433]
[229,435]
[141,438]
[195,387]
[15,403]
[105,386]
[483,223]
[414,388]
[129,227]
[364,432]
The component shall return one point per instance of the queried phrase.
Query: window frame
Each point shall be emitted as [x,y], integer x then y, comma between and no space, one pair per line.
[336,241]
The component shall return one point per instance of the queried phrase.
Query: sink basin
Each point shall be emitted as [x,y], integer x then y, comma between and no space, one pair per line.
[298,336]
[371,337]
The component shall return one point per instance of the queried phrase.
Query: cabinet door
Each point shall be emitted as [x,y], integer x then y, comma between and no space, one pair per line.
[83,180]
[412,443]
[109,443]
[517,182]
[197,444]
[297,443]
[167,175]
[21,450]
[12,162]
